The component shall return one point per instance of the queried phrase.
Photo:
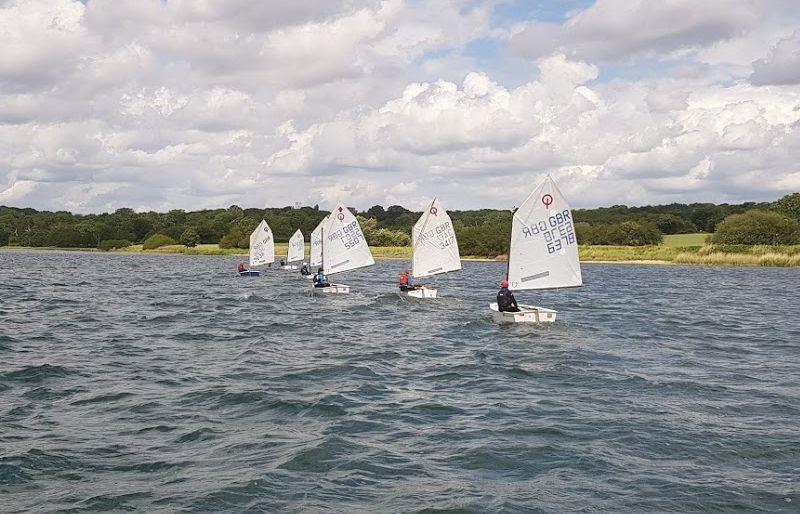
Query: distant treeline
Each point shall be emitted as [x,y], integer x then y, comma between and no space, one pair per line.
[482,232]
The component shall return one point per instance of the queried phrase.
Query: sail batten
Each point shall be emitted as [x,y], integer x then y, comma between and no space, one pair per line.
[434,243]
[343,242]
[544,249]
[297,247]
[262,245]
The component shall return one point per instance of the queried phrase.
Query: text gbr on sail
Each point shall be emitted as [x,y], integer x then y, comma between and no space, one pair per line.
[441,235]
[557,231]
[350,235]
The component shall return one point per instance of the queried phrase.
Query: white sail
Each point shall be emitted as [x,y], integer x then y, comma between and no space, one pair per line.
[262,246]
[297,247]
[544,250]
[434,243]
[316,245]
[344,246]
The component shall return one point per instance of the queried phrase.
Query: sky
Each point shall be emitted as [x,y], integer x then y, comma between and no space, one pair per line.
[192,104]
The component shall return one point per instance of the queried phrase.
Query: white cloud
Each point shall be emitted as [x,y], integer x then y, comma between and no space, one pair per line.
[632,134]
[190,104]
[40,39]
[624,29]
[782,65]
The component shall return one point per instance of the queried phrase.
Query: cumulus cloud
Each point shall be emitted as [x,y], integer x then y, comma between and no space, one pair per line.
[629,135]
[190,104]
[782,65]
[623,29]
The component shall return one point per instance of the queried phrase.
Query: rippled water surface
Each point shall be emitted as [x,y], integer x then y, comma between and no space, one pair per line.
[164,383]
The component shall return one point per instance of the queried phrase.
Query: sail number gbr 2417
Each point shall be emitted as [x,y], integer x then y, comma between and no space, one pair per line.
[557,231]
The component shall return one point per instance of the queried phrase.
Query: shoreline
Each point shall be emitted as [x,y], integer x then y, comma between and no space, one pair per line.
[688,256]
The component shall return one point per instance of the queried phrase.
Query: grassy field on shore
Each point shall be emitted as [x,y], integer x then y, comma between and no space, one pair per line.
[684,240]
[676,249]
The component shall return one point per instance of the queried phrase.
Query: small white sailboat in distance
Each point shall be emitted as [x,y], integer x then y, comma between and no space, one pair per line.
[297,250]
[315,257]
[262,249]
[435,248]
[543,253]
[344,247]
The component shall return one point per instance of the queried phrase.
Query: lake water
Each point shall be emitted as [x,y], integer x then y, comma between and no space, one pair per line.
[164,383]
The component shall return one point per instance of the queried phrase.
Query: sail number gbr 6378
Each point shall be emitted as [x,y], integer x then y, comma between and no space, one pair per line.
[557,231]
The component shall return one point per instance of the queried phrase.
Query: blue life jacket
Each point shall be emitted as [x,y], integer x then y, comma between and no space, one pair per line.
[321,278]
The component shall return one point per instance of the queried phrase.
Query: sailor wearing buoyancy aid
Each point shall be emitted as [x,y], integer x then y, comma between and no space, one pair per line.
[320,280]
[405,281]
[505,299]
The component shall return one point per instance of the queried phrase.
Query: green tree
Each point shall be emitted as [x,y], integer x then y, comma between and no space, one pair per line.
[671,224]
[706,216]
[789,206]
[758,228]
[625,233]
[157,241]
[112,244]
[190,237]
[238,235]
[382,236]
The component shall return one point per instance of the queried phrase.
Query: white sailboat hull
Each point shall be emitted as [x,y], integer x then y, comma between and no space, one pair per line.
[422,292]
[526,314]
[289,267]
[333,289]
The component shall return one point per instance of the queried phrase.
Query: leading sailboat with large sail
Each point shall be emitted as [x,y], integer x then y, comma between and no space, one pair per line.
[344,247]
[262,249]
[543,253]
[435,248]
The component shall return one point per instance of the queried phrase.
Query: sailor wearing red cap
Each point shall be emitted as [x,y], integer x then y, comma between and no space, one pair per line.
[505,299]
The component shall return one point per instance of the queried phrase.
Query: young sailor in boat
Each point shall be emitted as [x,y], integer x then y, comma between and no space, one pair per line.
[505,299]
[283,262]
[405,281]
[320,280]
[240,267]
[304,269]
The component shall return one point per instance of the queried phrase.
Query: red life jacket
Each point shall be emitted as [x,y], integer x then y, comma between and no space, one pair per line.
[240,267]
[404,280]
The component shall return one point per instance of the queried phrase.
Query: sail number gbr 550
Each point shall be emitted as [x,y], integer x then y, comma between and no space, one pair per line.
[350,235]
[557,231]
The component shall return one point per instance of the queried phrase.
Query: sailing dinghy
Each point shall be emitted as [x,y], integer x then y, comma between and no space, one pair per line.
[435,249]
[315,257]
[297,250]
[262,249]
[543,253]
[344,247]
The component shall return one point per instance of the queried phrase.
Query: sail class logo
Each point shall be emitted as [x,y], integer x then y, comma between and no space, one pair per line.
[434,210]
[547,200]
[340,216]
